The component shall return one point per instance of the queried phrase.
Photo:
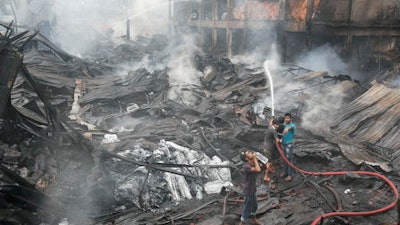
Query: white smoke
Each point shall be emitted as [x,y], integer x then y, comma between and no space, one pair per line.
[319,103]
[146,18]
[78,25]
[182,72]
[314,100]
[323,58]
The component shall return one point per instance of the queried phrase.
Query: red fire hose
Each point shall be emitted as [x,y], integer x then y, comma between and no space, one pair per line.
[332,214]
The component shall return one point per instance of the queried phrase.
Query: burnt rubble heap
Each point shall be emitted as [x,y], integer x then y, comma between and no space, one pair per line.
[83,142]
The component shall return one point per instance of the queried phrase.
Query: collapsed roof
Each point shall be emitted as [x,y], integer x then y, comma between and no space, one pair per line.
[90,128]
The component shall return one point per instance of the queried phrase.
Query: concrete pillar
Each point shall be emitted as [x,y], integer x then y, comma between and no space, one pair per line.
[229,32]
[128,30]
[281,30]
[214,29]
[349,44]
[170,16]
[229,42]
[350,11]
[282,10]
[243,46]
[200,28]
[308,27]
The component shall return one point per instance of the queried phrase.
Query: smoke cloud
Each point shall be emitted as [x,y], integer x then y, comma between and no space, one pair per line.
[78,25]
[313,100]
[323,58]
[182,72]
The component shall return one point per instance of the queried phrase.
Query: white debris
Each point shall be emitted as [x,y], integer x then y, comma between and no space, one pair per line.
[178,187]
[132,107]
[219,177]
[139,154]
[64,222]
[214,187]
[23,172]
[223,174]
[110,138]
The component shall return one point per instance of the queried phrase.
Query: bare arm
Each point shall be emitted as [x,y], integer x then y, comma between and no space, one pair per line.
[270,121]
[256,167]
[287,130]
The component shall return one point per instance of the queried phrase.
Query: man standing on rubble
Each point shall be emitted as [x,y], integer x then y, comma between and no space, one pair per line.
[251,169]
[288,145]
[269,146]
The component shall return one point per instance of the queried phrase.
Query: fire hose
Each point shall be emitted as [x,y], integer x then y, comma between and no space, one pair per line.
[346,214]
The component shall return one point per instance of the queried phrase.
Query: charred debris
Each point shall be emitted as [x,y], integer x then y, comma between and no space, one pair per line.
[84,143]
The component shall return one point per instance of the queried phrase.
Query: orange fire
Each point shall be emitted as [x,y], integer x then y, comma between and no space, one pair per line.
[299,9]
[270,10]
[257,11]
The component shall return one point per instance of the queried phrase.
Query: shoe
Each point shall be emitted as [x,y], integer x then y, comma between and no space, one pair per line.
[288,178]
[255,221]
[283,174]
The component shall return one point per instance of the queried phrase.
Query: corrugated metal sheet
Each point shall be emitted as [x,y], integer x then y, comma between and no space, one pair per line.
[378,91]
[372,118]
[358,155]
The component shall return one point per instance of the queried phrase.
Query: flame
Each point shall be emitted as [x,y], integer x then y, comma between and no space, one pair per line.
[257,11]
[270,10]
[299,9]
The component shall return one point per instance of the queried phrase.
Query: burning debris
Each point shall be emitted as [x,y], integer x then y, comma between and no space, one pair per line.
[93,143]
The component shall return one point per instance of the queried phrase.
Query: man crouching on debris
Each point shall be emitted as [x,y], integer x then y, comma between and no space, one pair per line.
[269,146]
[251,169]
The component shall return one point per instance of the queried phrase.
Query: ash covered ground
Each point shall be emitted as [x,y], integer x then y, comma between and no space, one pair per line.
[94,142]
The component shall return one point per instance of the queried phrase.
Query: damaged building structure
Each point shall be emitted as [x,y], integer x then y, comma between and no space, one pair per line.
[356,27]
[90,140]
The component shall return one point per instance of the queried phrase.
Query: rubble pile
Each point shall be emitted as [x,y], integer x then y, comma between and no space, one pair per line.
[94,143]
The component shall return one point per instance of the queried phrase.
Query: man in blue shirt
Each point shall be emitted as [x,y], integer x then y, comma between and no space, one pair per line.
[288,144]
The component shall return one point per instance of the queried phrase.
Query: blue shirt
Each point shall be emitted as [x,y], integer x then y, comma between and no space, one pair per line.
[289,136]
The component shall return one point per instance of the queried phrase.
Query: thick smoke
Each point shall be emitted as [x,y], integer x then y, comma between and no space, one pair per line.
[78,25]
[314,102]
[320,104]
[182,72]
[323,58]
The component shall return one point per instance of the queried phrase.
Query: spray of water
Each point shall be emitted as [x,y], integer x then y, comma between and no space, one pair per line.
[148,9]
[271,84]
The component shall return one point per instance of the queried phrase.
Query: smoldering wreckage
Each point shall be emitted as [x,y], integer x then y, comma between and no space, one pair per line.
[84,144]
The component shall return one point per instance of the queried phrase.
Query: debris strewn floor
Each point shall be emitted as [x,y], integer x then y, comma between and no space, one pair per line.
[103,145]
